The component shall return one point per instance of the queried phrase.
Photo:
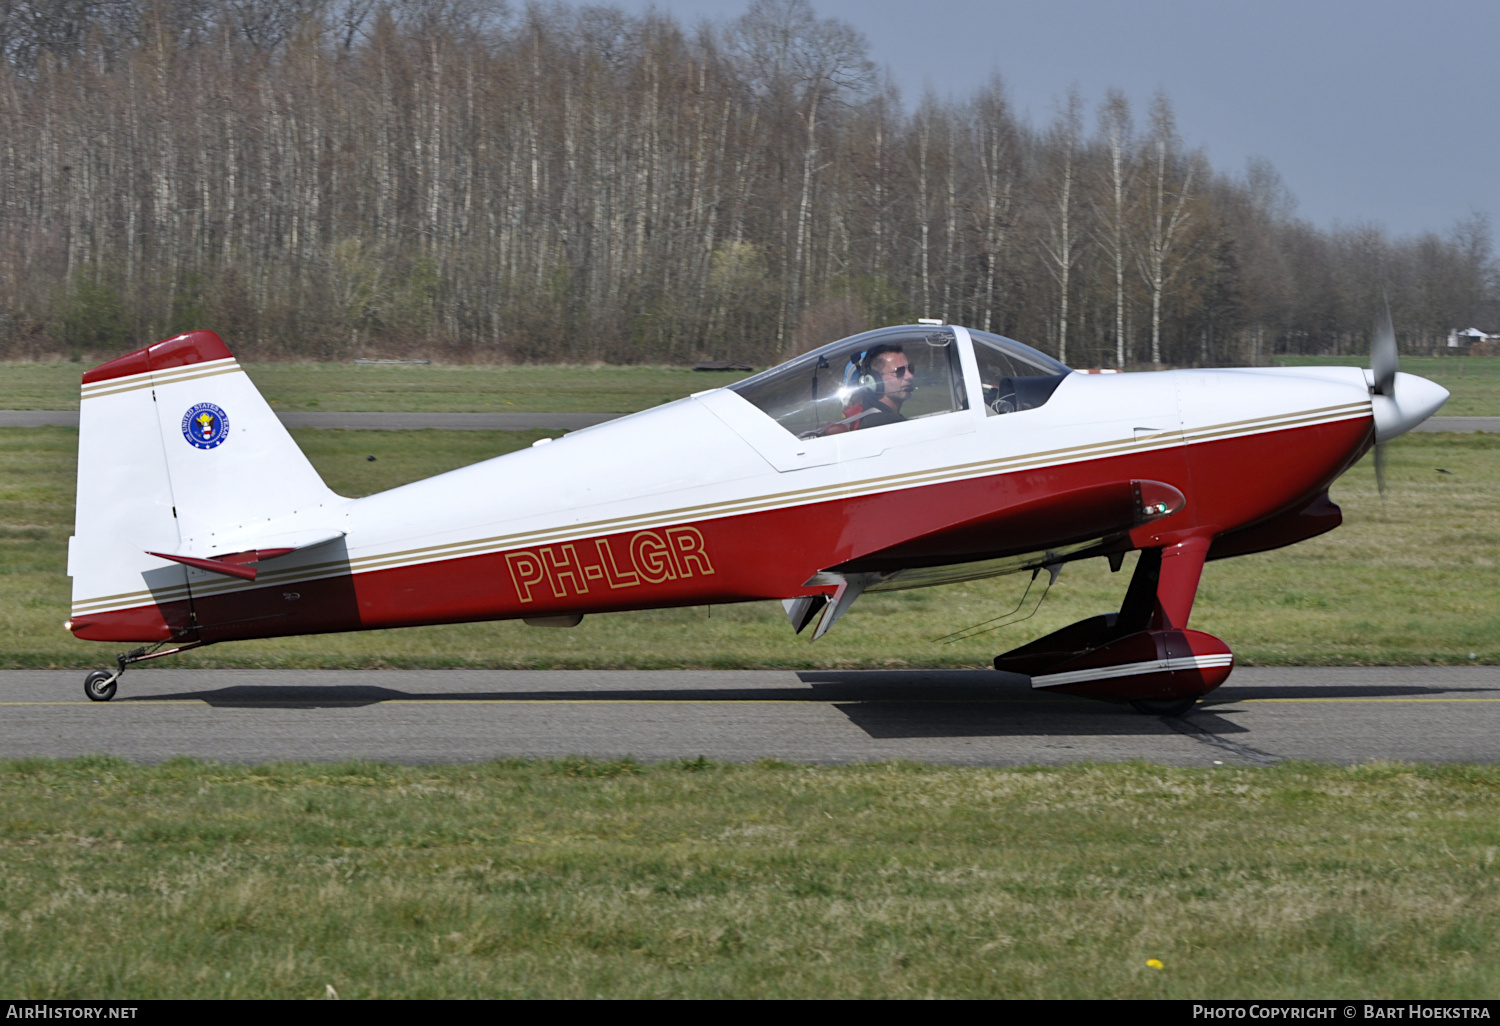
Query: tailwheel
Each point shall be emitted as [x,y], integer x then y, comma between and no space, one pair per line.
[1163,706]
[100,685]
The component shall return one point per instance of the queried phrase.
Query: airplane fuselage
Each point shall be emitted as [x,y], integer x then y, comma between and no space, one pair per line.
[706,500]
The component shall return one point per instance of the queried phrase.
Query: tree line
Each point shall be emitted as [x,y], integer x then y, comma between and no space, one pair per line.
[453,178]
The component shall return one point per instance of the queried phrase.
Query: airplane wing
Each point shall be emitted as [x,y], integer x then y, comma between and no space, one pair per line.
[1045,531]
[1047,522]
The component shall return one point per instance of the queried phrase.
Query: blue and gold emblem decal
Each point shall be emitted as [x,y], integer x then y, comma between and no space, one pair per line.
[205,426]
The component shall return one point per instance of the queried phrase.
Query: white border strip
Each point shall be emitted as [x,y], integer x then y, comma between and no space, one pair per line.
[1204,662]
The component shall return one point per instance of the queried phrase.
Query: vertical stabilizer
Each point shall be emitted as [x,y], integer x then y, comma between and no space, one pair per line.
[177,453]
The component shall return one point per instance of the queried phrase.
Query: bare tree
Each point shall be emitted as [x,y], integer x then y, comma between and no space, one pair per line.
[266,24]
[1114,209]
[1062,242]
[810,64]
[320,177]
[995,146]
[1166,211]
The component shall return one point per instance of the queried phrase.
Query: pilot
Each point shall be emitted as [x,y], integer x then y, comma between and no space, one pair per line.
[886,380]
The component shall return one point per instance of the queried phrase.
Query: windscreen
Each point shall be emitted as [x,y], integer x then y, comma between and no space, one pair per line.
[1012,376]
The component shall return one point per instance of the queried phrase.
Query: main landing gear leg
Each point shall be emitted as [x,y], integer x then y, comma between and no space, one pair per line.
[100,685]
[1160,596]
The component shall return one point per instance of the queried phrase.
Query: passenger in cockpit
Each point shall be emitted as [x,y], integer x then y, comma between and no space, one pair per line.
[884,379]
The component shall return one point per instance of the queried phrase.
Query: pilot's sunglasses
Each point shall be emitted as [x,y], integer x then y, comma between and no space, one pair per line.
[903,370]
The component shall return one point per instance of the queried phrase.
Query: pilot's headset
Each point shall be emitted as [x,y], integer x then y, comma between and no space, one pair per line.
[860,376]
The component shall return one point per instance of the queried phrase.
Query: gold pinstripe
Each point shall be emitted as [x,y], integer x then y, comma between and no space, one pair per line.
[796,497]
[142,377]
[149,379]
[1276,423]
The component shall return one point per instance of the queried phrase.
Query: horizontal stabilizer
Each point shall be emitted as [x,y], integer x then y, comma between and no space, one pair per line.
[215,566]
[233,564]
[269,542]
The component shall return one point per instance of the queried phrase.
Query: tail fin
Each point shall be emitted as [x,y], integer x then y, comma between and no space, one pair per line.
[177,453]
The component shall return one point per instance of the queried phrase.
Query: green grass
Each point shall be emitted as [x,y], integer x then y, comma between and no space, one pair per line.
[692,879]
[1409,580]
[438,388]
[1473,380]
[486,388]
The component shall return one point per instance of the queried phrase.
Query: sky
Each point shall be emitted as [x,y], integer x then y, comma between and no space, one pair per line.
[1374,112]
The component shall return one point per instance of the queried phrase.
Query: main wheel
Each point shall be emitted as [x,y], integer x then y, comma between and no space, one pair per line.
[100,685]
[1163,706]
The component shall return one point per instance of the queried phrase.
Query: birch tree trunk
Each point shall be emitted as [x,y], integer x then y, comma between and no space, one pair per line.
[1062,241]
[997,175]
[1115,125]
[1167,215]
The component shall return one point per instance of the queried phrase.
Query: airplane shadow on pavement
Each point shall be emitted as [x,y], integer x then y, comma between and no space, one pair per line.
[883,703]
[977,703]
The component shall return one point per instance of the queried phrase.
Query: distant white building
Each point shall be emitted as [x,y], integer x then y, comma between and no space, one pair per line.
[1467,337]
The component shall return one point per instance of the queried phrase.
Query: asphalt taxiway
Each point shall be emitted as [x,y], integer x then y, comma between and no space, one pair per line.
[1262,715]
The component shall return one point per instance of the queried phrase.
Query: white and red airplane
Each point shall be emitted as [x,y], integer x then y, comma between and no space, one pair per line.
[899,458]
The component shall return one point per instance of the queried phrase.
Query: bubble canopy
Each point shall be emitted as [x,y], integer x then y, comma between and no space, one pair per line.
[895,375]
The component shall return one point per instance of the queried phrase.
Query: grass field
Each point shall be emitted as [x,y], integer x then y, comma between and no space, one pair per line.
[483,388]
[1409,580]
[584,879]
[576,878]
